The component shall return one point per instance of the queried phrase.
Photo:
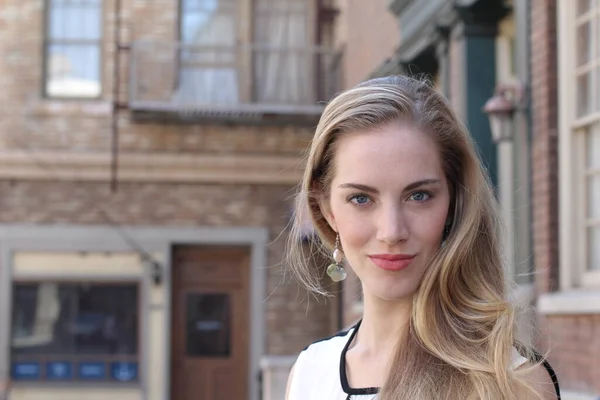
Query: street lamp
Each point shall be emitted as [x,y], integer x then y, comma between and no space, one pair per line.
[500,109]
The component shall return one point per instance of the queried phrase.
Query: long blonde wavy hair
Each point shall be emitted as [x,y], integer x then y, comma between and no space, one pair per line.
[461,333]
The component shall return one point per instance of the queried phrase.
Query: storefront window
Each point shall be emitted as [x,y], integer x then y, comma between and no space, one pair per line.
[75,332]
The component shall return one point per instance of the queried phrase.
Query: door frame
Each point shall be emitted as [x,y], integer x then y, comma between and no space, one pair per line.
[154,240]
[256,240]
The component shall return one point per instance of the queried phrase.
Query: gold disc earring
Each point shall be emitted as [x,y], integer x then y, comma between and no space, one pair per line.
[336,270]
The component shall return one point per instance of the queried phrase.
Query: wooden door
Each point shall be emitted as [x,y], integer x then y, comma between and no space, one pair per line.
[210,323]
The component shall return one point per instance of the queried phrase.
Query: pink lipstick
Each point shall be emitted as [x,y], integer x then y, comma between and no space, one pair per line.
[392,262]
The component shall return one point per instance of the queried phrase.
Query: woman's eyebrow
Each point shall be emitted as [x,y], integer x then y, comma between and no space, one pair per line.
[370,189]
[360,187]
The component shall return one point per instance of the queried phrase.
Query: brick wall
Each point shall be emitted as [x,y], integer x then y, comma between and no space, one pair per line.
[544,143]
[574,346]
[29,121]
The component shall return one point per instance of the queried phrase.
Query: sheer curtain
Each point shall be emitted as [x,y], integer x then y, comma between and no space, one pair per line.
[208,73]
[283,61]
[38,330]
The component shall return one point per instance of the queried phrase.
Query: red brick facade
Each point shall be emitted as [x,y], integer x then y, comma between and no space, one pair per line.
[544,109]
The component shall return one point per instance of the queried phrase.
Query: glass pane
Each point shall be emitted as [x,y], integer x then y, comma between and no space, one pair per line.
[208,325]
[583,95]
[73,70]
[594,248]
[208,73]
[593,147]
[107,320]
[593,198]
[284,77]
[75,20]
[584,43]
[40,315]
[74,319]
[208,22]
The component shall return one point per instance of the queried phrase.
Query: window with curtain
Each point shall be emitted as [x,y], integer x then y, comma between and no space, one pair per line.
[222,62]
[587,131]
[73,48]
[75,332]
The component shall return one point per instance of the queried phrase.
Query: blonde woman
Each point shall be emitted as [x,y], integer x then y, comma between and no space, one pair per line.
[396,192]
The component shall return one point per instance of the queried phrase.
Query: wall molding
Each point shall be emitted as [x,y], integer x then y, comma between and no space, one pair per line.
[151,167]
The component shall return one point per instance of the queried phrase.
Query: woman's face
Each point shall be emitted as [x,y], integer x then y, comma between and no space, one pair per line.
[389,203]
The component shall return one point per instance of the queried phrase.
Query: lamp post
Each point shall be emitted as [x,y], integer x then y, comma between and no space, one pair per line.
[500,109]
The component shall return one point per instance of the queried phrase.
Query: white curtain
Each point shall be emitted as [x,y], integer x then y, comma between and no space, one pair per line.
[208,54]
[46,314]
[284,63]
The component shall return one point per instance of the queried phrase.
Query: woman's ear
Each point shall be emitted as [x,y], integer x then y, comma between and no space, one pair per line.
[325,207]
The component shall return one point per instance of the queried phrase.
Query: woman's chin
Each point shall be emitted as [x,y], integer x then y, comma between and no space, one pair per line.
[394,292]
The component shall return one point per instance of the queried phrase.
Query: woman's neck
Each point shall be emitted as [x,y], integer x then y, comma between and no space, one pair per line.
[384,323]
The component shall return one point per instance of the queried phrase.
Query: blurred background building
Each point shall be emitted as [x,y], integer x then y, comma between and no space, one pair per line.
[150,150]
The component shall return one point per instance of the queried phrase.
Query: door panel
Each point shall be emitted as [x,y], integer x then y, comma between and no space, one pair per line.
[210,323]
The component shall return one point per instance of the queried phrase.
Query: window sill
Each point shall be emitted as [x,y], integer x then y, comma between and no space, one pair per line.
[565,395]
[18,384]
[571,302]
[58,107]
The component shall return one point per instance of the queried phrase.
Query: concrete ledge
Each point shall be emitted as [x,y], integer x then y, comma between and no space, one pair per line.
[571,302]
[565,395]
[151,167]
[268,362]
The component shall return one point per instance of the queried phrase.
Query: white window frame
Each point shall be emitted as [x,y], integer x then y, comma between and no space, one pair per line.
[572,195]
[49,41]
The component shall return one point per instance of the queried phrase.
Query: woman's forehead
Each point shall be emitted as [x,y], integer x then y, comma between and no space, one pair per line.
[398,151]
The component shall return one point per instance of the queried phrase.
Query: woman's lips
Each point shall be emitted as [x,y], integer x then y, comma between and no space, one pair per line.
[392,262]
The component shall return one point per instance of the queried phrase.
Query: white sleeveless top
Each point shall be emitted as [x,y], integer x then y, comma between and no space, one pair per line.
[320,371]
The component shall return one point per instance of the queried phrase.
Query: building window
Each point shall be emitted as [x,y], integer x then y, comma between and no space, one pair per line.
[588,113]
[75,332]
[73,49]
[226,61]
[579,27]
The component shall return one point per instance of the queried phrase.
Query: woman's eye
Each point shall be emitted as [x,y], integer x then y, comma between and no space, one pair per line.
[360,199]
[420,196]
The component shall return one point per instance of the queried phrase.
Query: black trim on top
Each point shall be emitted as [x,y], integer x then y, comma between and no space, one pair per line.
[537,357]
[344,378]
[339,334]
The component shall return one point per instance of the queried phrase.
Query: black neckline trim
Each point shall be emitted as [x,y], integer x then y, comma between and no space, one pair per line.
[344,378]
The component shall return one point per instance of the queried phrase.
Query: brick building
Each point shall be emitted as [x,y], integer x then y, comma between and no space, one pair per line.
[565,68]
[149,153]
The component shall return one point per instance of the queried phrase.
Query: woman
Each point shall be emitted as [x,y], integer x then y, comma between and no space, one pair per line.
[393,186]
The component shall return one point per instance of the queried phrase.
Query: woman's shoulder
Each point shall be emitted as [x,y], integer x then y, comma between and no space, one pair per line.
[318,364]
[316,371]
[327,348]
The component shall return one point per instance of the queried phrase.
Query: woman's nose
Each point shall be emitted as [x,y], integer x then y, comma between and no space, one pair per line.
[392,226]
